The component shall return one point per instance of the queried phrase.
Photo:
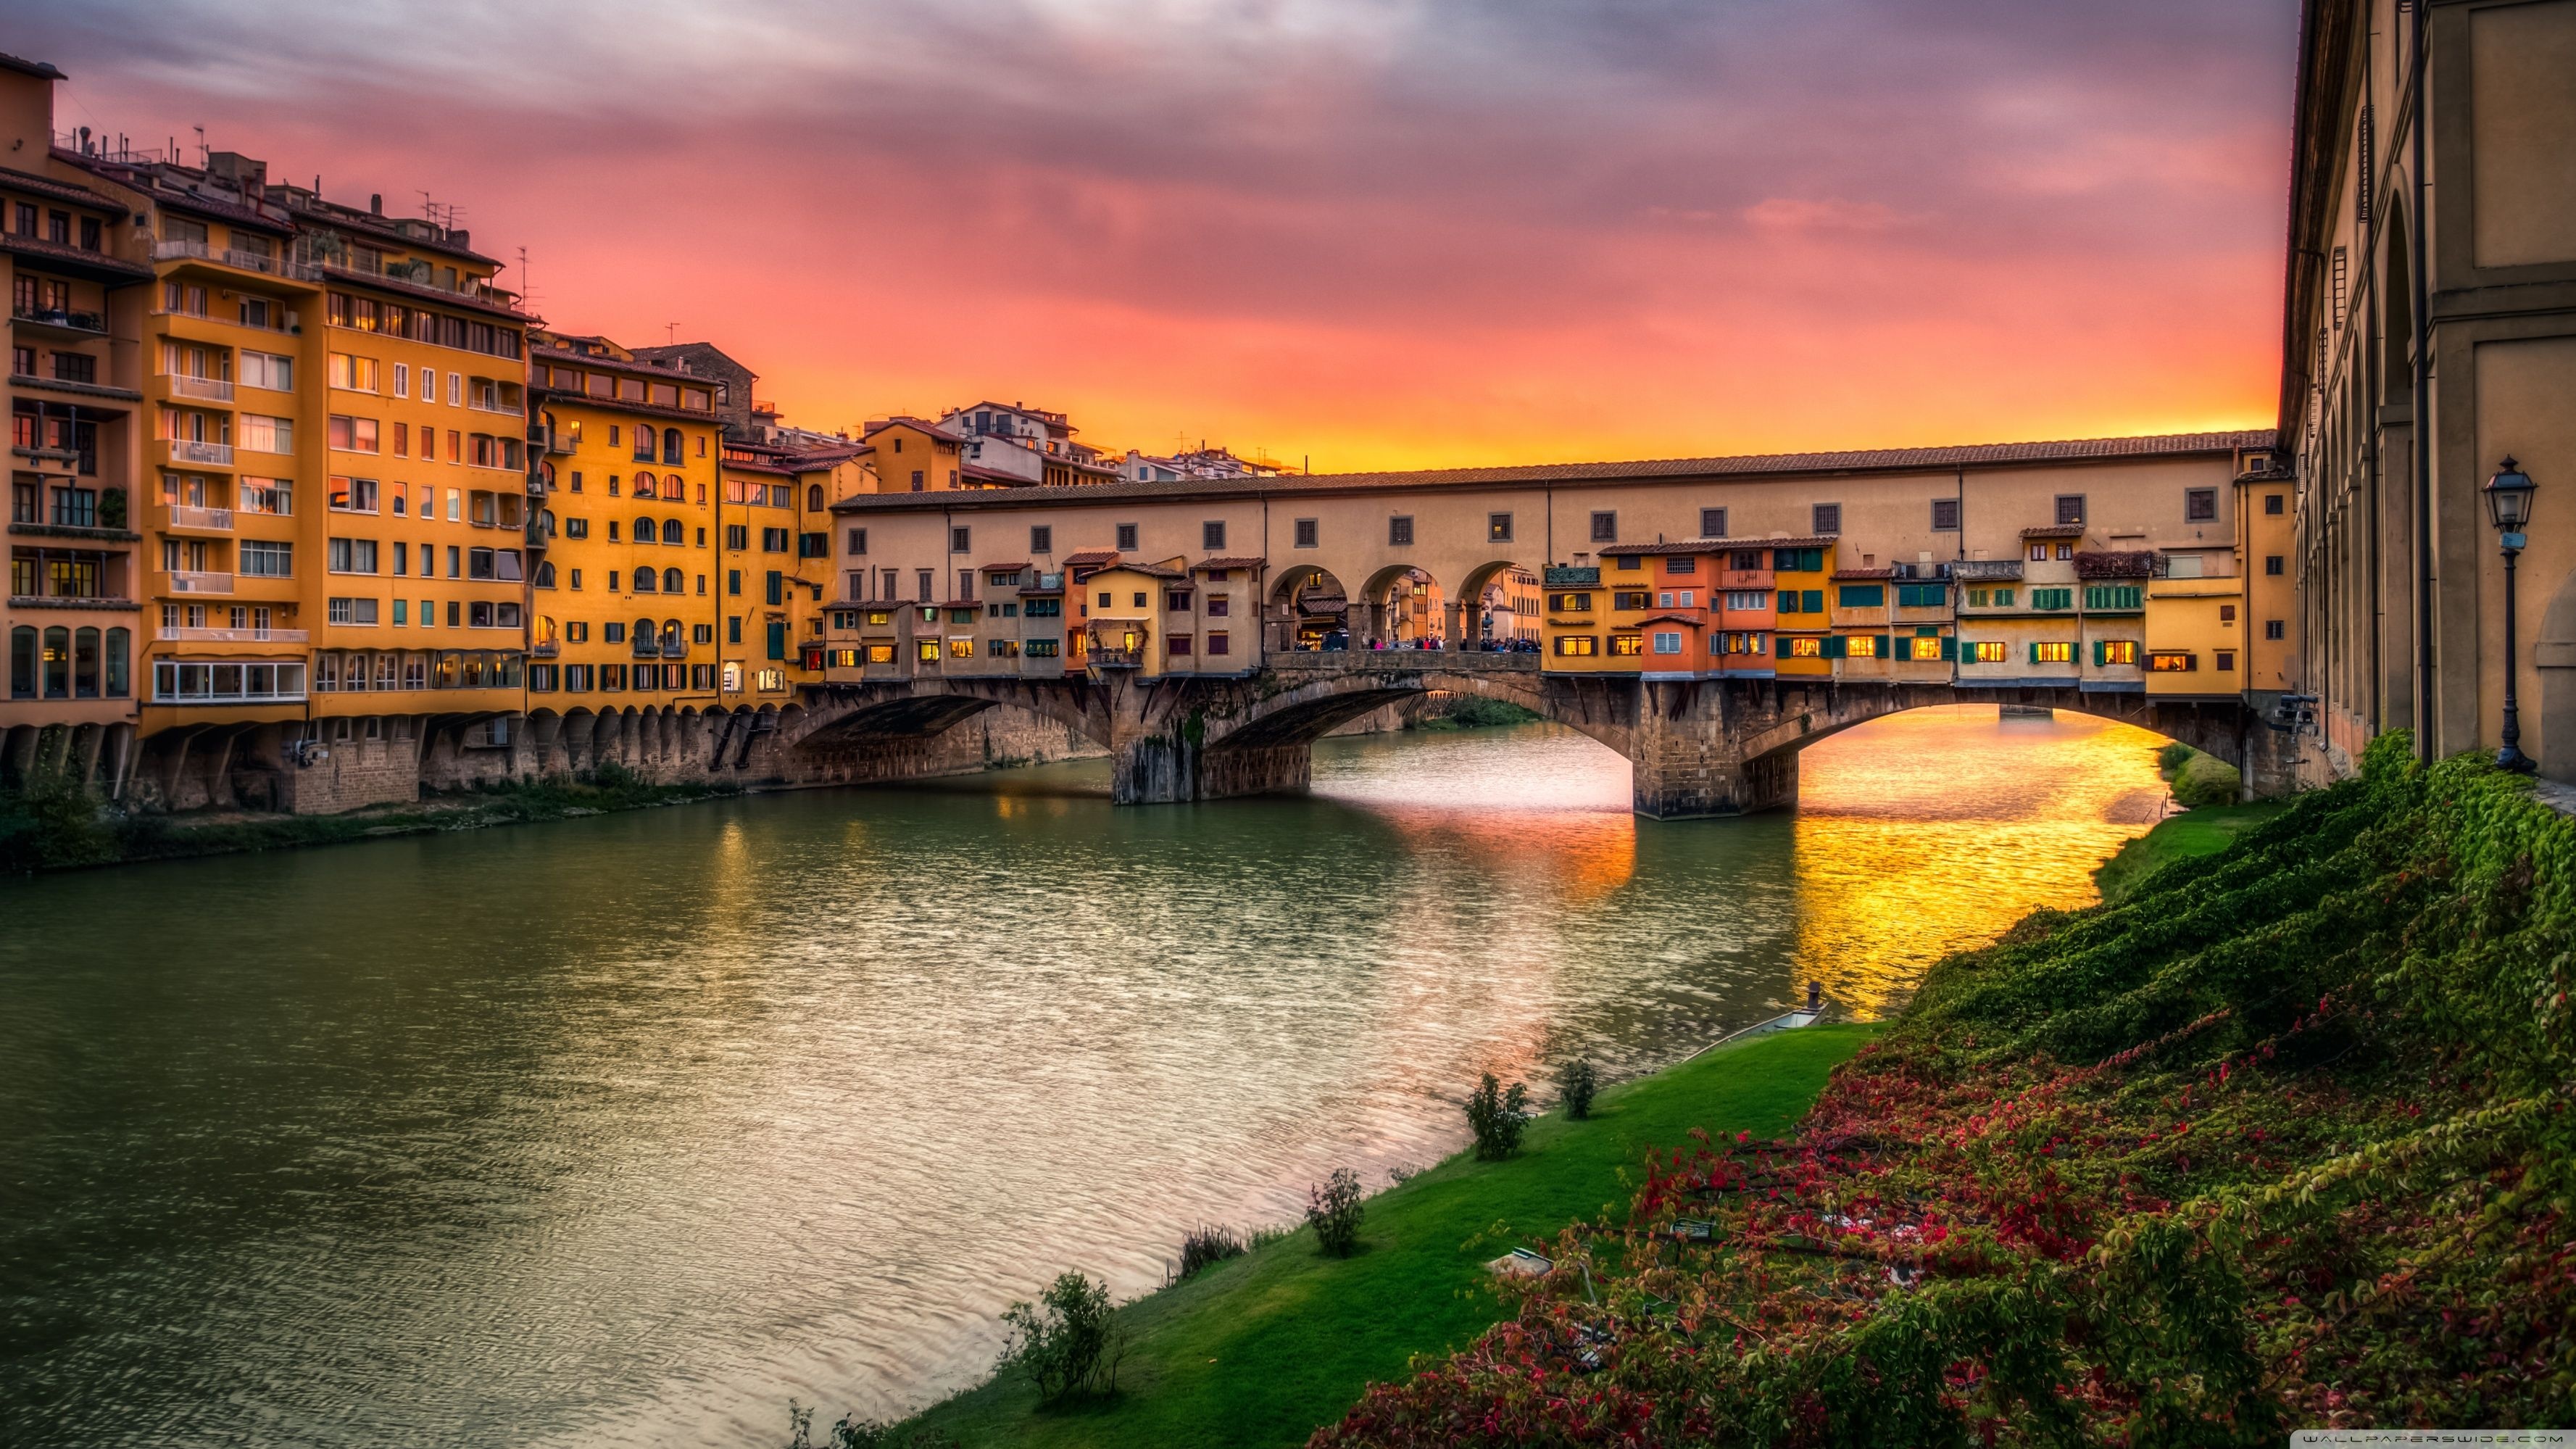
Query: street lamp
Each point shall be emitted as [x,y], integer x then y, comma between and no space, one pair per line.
[2508,496]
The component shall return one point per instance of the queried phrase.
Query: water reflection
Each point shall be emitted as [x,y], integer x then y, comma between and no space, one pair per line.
[622,1131]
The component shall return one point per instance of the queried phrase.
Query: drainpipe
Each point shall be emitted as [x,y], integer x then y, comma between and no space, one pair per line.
[2422,404]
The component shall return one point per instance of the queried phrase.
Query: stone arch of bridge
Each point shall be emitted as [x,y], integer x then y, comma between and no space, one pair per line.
[2216,728]
[838,716]
[1400,604]
[1307,602]
[1469,612]
[1309,710]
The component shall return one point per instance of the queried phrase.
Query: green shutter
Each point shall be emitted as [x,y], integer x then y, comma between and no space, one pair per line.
[1780,644]
[1811,601]
[1949,648]
[1788,601]
[1833,647]
[2034,653]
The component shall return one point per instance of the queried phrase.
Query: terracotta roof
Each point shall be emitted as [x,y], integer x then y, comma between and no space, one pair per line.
[2093,564]
[1692,546]
[1676,616]
[2055,530]
[1886,573]
[1151,571]
[1006,568]
[1769,465]
[41,70]
[93,266]
[1203,565]
[61,190]
[1091,556]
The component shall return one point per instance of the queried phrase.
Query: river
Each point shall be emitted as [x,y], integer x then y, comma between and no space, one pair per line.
[623,1130]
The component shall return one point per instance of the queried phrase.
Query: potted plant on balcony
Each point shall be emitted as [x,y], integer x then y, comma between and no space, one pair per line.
[111,508]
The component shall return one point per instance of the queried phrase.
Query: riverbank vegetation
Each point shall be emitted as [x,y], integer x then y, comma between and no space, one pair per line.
[2187,836]
[50,824]
[1258,1349]
[2279,1139]
[2198,780]
[1475,712]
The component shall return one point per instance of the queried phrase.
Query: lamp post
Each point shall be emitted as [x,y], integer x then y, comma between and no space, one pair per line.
[2508,496]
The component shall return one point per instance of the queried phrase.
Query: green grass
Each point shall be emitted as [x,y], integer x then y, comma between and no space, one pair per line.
[2189,835]
[1264,1348]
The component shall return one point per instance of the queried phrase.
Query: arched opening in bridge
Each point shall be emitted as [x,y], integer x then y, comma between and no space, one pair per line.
[1307,607]
[1498,608]
[1401,608]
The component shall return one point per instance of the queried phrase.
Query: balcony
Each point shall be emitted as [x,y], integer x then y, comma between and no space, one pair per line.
[647,649]
[273,266]
[211,455]
[544,649]
[60,322]
[560,445]
[184,582]
[675,649]
[204,389]
[216,520]
[1116,659]
[178,634]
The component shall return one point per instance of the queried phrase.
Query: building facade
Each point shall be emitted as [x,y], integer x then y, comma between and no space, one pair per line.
[2430,334]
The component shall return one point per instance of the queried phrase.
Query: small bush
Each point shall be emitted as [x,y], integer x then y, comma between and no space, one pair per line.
[1575,1084]
[1477,712]
[853,1432]
[1498,1118]
[1208,1245]
[2172,757]
[1334,1210]
[2206,780]
[1067,1342]
[610,775]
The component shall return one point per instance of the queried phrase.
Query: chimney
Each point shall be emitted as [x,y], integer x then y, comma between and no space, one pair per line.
[376,203]
[462,238]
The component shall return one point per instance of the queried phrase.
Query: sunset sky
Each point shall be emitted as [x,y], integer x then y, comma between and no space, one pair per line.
[1408,233]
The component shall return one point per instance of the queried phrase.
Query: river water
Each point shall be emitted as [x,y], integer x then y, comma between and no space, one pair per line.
[624,1130]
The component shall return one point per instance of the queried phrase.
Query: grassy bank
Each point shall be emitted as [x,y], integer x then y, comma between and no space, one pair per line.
[2188,836]
[2280,1139]
[1260,1349]
[55,828]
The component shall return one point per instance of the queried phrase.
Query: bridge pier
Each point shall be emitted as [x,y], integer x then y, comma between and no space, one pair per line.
[1686,762]
[1160,769]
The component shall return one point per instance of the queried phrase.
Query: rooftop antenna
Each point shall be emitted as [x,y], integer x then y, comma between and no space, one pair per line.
[672,329]
[205,156]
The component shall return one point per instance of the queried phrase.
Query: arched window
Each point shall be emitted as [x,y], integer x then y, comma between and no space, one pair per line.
[672,448]
[22,662]
[545,573]
[85,662]
[646,531]
[673,533]
[643,633]
[546,475]
[120,663]
[643,442]
[813,497]
[672,633]
[58,663]
[644,485]
[671,581]
[644,581]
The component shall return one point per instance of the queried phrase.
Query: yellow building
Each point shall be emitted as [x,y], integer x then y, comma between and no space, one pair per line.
[78,282]
[914,456]
[1803,644]
[780,580]
[334,564]
[626,598]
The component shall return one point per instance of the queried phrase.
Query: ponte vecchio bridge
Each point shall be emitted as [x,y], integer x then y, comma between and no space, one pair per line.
[1181,626]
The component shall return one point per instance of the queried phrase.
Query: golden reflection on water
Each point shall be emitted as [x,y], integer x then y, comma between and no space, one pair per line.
[622,1131]
[1931,831]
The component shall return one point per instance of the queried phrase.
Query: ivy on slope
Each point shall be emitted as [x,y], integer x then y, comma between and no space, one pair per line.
[2282,1140]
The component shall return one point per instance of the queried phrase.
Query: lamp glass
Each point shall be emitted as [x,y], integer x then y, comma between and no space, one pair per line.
[2509,498]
